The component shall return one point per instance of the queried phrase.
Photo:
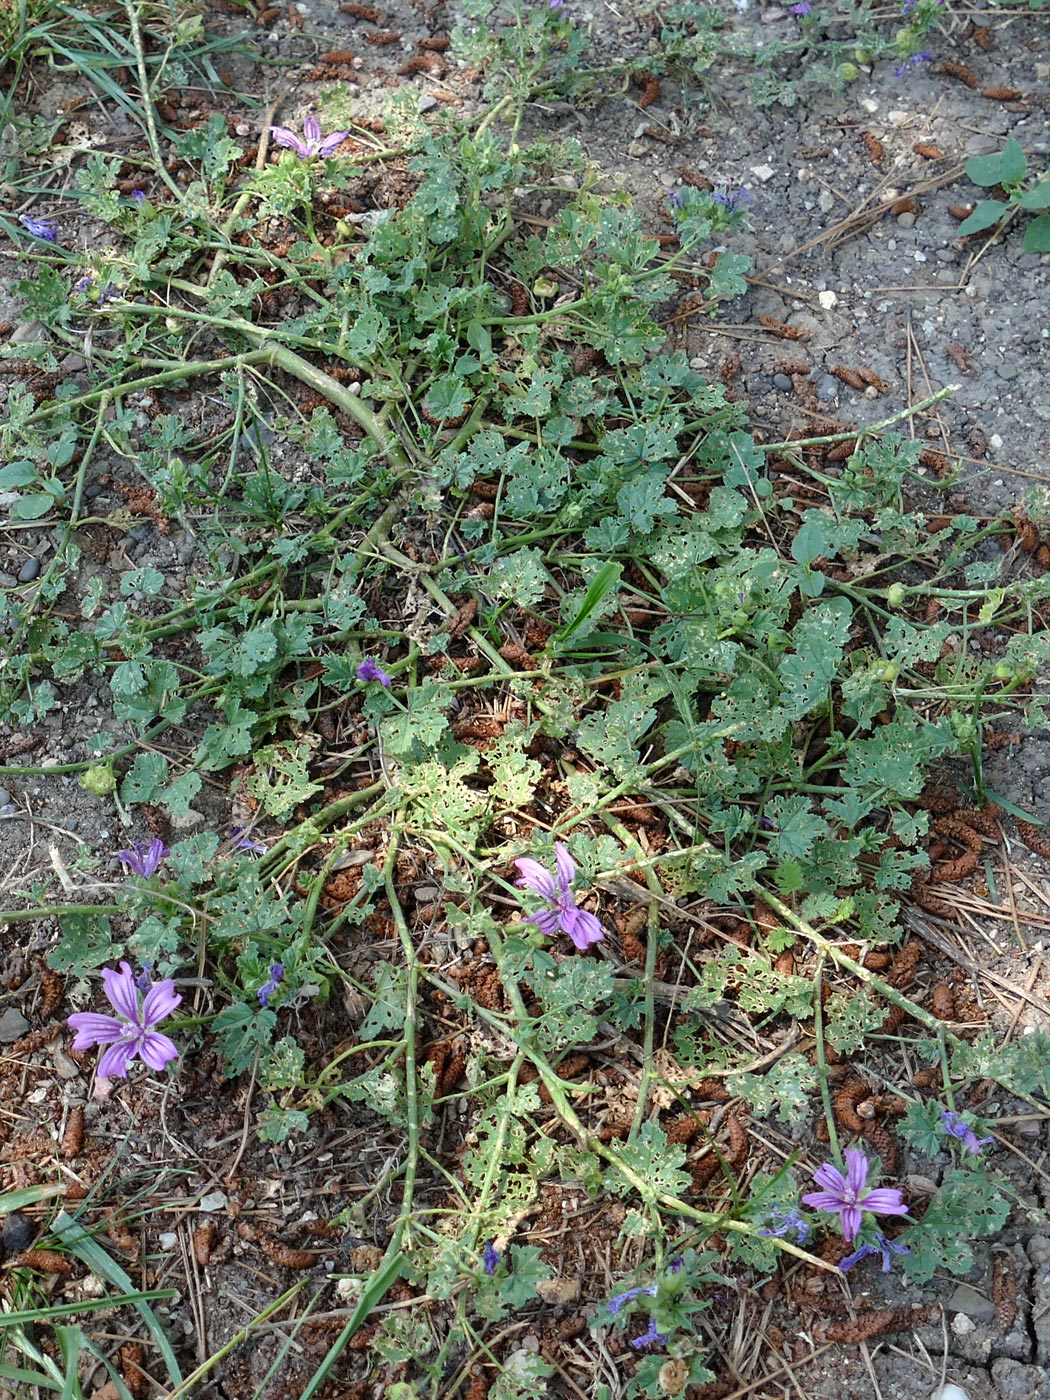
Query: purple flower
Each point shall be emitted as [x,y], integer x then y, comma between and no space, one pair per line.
[138,196]
[82,284]
[130,1032]
[651,1338]
[735,201]
[490,1257]
[803,8]
[267,989]
[956,1128]
[314,145]
[142,859]
[849,1195]
[785,1222]
[39,228]
[370,671]
[912,62]
[247,843]
[562,916]
[556,4]
[616,1303]
[883,1246]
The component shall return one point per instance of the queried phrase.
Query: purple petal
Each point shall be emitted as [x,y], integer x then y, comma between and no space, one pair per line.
[121,992]
[312,130]
[850,1216]
[535,877]
[583,928]
[329,144]
[566,865]
[283,137]
[548,921]
[831,1179]
[830,1201]
[155,1050]
[94,1029]
[160,1002]
[115,1061]
[857,1171]
[886,1200]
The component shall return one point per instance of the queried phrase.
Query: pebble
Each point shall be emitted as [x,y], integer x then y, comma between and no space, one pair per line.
[7,580]
[29,570]
[782,382]
[827,387]
[427,103]
[5,797]
[967,1300]
[9,810]
[13,1025]
[906,220]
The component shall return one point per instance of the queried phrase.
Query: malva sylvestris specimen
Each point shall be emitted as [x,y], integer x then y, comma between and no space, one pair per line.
[131,1032]
[850,1195]
[312,143]
[561,915]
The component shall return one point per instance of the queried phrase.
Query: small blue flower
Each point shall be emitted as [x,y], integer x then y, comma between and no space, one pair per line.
[651,1338]
[138,196]
[82,284]
[39,228]
[368,670]
[785,1222]
[267,990]
[735,200]
[803,8]
[956,1128]
[615,1304]
[887,1248]
[246,843]
[142,859]
[913,62]
[490,1257]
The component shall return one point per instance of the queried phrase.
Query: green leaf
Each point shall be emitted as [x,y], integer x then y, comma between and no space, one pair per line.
[987,213]
[17,474]
[144,777]
[1038,197]
[604,582]
[1037,235]
[656,1161]
[819,638]
[1003,167]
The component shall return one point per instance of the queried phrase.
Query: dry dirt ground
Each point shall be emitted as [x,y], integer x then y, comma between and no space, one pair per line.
[847,277]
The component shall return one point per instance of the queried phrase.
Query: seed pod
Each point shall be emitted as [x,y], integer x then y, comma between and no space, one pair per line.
[847,376]
[781,329]
[52,987]
[906,206]
[73,1137]
[960,72]
[928,152]
[1004,1293]
[381,38]
[365,12]
[874,147]
[284,1256]
[204,1243]
[45,1261]
[336,56]
[960,211]
[651,91]
[438,44]
[1001,94]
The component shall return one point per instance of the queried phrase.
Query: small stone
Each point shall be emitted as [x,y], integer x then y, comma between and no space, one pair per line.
[869,105]
[427,103]
[213,1201]
[906,220]
[782,382]
[188,820]
[9,810]
[828,300]
[637,148]
[5,797]
[7,580]
[13,1025]
[950,1392]
[968,1301]
[962,1325]
[29,570]
[763,172]
[168,1239]
[17,1233]
[827,388]
[826,201]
